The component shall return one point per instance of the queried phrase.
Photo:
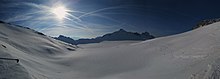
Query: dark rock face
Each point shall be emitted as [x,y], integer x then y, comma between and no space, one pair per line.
[2,22]
[206,22]
[66,39]
[120,35]
[124,35]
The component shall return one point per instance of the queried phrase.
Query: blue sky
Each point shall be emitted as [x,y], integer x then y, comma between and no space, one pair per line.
[91,18]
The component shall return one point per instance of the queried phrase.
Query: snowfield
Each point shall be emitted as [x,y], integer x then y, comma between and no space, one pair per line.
[191,55]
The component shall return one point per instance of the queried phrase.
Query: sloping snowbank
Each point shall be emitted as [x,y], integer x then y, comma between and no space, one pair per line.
[32,48]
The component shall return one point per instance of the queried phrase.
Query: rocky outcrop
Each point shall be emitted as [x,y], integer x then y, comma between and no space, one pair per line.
[206,22]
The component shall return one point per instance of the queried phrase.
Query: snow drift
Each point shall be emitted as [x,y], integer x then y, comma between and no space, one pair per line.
[191,55]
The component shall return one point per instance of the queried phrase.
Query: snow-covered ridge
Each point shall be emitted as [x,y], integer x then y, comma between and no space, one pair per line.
[206,22]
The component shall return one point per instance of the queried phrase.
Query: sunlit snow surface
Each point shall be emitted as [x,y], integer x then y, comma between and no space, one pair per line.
[190,55]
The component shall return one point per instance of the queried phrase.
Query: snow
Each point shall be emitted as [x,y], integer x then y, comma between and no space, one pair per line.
[191,55]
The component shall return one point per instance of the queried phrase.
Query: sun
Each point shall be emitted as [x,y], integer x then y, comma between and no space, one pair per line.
[60,12]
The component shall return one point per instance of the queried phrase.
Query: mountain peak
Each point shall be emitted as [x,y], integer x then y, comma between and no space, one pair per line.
[122,30]
[61,36]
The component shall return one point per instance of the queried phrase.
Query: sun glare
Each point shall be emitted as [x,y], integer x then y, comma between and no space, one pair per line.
[60,12]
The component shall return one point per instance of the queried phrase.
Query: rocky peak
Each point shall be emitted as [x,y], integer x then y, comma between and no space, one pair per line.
[206,22]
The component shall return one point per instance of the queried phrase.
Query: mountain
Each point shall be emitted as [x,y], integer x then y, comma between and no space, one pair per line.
[120,35]
[190,55]
[66,39]
[206,22]
[124,35]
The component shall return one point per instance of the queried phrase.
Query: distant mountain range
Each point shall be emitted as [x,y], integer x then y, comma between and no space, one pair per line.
[120,35]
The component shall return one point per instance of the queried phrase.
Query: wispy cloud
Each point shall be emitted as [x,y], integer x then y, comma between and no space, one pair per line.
[39,18]
[39,6]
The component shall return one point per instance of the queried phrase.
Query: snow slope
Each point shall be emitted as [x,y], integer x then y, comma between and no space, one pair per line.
[191,55]
[35,51]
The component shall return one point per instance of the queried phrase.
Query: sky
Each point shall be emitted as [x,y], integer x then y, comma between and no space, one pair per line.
[92,18]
